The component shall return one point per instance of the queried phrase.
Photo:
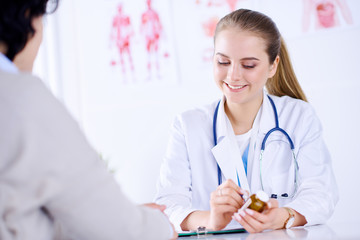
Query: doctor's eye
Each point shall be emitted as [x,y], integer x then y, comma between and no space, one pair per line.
[248,66]
[223,63]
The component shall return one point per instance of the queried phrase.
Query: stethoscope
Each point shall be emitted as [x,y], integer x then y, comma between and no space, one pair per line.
[276,128]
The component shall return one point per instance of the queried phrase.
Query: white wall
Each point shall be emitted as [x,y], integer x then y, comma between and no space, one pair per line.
[129,123]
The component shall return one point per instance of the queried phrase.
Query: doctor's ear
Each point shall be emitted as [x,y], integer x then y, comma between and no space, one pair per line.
[273,67]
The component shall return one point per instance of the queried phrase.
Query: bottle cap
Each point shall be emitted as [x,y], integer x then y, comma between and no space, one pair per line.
[262,196]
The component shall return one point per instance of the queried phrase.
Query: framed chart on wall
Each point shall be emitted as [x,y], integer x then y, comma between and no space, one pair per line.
[123,44]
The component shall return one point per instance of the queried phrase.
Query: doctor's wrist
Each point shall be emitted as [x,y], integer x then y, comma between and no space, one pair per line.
[294,218]
[196,219]
[282,217]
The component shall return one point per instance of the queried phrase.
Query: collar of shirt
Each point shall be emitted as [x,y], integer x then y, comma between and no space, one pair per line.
[7,65]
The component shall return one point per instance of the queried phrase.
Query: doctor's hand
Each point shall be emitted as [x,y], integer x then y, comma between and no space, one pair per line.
[272,217]
[224,202]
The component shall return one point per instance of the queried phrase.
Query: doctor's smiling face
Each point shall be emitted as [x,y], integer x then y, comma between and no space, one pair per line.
[241,65]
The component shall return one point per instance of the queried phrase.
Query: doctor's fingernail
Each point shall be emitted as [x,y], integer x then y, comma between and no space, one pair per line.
[242,213]
[249,211]
[237,217]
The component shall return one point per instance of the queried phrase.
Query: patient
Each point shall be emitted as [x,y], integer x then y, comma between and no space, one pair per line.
[52,183]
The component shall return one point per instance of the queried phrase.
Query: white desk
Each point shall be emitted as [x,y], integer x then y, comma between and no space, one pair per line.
[323,232]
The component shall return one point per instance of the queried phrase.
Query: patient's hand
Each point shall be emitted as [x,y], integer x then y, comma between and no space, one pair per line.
[155,206]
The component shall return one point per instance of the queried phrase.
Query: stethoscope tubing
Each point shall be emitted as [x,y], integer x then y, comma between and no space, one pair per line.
[276,128]
[215,139]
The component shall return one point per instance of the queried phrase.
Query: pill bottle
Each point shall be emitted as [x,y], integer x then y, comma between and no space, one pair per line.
[259,201]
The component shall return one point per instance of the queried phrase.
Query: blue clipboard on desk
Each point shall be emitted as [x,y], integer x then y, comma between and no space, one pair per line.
[204,231]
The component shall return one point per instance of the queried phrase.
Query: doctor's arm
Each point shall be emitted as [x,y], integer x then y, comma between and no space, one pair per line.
[175,188]
[317,193]
[174,183]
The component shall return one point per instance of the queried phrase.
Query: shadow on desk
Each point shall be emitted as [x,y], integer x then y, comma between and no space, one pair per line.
[313,232]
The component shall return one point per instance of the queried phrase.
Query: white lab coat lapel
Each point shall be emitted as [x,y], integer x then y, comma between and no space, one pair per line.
[226,152]
[253,153]
[266,122]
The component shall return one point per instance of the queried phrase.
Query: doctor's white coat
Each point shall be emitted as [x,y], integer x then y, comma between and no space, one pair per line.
[189,171]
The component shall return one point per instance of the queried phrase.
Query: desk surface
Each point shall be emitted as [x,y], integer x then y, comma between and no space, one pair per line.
[328,231]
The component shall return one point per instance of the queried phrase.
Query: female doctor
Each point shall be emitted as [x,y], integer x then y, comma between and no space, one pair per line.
[252,139]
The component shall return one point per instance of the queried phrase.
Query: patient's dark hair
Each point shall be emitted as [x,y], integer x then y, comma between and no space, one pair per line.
[15,21]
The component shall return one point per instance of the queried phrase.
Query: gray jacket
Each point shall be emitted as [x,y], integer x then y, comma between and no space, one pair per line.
[52,183]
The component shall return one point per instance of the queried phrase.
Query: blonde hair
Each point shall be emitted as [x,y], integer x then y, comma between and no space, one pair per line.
[284,82]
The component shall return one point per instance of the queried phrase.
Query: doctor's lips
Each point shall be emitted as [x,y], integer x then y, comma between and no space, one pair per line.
[235,87]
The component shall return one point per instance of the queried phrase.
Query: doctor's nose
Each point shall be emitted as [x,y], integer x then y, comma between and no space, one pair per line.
[234,73]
